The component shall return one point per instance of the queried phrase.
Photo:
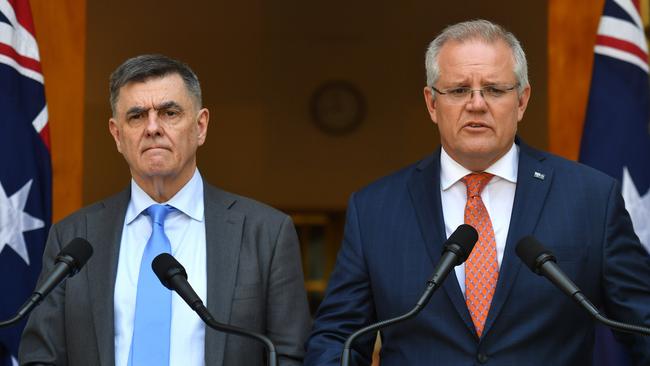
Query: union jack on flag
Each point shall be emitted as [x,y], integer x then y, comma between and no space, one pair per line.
[25,168]
[616,136]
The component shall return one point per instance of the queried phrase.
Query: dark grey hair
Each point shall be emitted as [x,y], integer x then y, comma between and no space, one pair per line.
[141,68]
[476,30]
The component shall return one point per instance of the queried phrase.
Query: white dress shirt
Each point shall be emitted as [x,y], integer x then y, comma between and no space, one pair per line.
[185,228]
[498,197]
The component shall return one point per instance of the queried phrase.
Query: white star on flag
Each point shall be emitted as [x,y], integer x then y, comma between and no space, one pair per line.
[14,221]
[639,208]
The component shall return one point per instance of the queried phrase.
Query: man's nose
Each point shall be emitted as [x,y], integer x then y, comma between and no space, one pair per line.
[153,126]
[476,99]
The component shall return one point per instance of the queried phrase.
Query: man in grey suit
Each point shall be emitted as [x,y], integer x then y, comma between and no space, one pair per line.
[242,257]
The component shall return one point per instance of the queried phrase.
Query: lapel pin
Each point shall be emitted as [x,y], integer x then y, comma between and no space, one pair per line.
[539,175]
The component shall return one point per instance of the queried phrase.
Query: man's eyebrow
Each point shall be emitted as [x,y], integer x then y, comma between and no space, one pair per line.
[168,105]
[136,110]
[162,106]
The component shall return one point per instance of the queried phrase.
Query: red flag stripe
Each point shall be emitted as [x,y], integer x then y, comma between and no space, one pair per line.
[23,14]
[26,62]
[622,45]
[45,136]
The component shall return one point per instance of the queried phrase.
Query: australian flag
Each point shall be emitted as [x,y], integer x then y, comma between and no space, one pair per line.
[25,168]
[616,136]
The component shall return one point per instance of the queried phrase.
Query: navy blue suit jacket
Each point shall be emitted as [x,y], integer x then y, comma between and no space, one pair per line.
[393,237]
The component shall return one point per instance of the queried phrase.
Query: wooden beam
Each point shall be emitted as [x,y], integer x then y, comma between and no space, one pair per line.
[571,38]
[61,34]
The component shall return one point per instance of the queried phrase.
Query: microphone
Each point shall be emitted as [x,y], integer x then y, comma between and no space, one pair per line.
[173,276]
[67,263]
[456,250]
[542,261]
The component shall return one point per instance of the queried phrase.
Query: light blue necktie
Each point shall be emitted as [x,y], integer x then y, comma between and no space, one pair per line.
[153,305]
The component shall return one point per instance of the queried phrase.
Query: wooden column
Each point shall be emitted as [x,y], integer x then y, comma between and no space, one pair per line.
[571,38]
[61,35]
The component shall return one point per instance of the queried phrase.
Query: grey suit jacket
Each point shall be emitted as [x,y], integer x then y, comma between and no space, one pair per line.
[254,278]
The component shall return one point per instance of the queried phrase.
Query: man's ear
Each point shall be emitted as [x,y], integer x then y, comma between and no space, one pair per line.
[115,132]
[523,103]
[202,121]
[430,102]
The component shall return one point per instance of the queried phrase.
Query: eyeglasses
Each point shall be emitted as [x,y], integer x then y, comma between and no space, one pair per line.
[462,94]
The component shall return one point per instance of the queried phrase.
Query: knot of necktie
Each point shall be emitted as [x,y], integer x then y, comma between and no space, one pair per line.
[475,182]
[158,213]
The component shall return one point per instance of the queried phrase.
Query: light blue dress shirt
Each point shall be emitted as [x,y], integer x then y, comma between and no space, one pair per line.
[185,228]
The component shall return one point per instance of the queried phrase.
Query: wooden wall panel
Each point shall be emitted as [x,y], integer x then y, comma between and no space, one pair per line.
[260,62]
[571,37]
[61,34]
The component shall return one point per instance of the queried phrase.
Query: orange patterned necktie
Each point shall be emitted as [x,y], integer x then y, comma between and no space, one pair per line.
[481,268]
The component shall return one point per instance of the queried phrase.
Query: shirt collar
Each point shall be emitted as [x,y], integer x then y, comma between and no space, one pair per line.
[505,168]
[189,200]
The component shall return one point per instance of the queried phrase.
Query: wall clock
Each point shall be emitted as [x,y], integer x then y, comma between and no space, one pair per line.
[337,107]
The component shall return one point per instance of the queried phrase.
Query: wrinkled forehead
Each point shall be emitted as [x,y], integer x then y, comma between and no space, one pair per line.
[476,55]
[476,47]
[153,90]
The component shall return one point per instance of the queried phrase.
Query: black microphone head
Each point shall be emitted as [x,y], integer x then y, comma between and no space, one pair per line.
[533,253]
[165,266]
[75,254]
[464,237]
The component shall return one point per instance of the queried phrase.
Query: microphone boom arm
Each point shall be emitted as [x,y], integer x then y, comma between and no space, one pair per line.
[456,250]
[621,327]
[173,276]
[447,261]
[67,263]
[205,315]
[431,287]
[23,310]
[542,262]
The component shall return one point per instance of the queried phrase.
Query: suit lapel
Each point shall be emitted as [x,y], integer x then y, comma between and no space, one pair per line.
[105,233]
[223,229]
[424,189]
[533,183]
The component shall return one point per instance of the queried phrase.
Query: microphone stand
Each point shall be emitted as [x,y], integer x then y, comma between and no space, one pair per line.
[72,263]
[22,311]
[173,276]
[544,264]
[205,315]
[424,299]
[453,255]
[622,327]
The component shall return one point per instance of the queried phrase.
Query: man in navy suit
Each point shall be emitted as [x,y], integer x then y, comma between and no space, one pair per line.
[477,92]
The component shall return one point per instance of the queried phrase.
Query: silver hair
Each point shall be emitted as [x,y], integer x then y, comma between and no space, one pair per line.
[142,68]
[482,30]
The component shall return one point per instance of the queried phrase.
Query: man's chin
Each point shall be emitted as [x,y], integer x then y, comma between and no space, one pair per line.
[153,172]
[476,157]
[157,165]
[477,151]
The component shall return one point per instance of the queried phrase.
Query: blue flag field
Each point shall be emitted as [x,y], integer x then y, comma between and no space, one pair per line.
[616,136]
[25,168]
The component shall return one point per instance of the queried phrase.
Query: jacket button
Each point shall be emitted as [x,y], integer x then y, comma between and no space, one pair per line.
[482,358]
